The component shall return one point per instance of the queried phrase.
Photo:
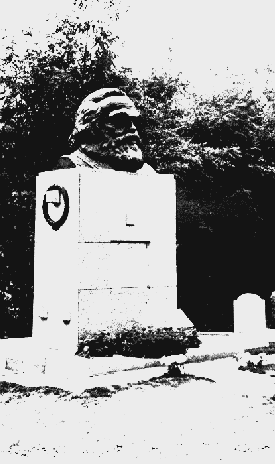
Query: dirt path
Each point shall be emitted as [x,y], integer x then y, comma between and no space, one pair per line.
[191,420]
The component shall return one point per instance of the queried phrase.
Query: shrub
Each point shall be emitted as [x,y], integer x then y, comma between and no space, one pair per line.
[139,342]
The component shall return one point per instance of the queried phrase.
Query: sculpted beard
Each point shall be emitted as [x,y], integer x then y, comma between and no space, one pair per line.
[121,153]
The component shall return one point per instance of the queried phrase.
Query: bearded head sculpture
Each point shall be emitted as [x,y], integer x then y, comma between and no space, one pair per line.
[106,132]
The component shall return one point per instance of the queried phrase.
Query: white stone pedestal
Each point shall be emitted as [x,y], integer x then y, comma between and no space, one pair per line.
[105,254]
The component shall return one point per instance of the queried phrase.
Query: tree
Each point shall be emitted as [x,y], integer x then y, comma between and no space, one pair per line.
[42,91]
[220,149]
[161,117]
[221,152]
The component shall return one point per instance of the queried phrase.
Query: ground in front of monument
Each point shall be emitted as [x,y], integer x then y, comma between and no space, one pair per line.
[213,411]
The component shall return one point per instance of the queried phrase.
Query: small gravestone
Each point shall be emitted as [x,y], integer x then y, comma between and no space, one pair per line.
[250,319]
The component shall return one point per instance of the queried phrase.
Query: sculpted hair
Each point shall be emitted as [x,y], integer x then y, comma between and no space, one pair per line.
[88,112]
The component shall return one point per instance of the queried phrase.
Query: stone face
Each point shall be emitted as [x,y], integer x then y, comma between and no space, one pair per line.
[105,133]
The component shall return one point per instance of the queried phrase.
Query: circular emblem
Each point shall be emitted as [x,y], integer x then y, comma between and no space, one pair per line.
[56,206]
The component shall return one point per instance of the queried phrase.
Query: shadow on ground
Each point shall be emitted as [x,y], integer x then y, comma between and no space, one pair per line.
[173,378]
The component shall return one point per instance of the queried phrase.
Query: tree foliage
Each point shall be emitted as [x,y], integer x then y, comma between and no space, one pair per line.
[160,116]
[221,150]
[44,89]
[41,92]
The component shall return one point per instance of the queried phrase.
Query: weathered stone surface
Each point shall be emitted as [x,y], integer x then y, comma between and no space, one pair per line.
[105,133]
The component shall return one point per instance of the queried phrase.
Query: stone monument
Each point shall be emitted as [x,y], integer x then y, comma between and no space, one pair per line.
[250,319]
[105,232]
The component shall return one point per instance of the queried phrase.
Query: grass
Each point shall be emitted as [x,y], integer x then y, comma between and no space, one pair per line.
[19,391]
[270,349]
[173,377]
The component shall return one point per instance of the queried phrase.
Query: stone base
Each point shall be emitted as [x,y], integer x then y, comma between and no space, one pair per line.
[22,356]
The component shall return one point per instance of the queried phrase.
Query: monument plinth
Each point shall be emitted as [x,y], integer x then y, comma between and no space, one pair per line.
[105,254]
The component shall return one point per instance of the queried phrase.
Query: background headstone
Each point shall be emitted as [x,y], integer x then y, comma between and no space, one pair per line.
[250,318]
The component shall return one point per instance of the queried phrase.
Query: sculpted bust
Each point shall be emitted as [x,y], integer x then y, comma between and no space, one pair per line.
[105,135]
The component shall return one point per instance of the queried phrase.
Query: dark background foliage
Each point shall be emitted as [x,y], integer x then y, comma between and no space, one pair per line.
[220,149]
